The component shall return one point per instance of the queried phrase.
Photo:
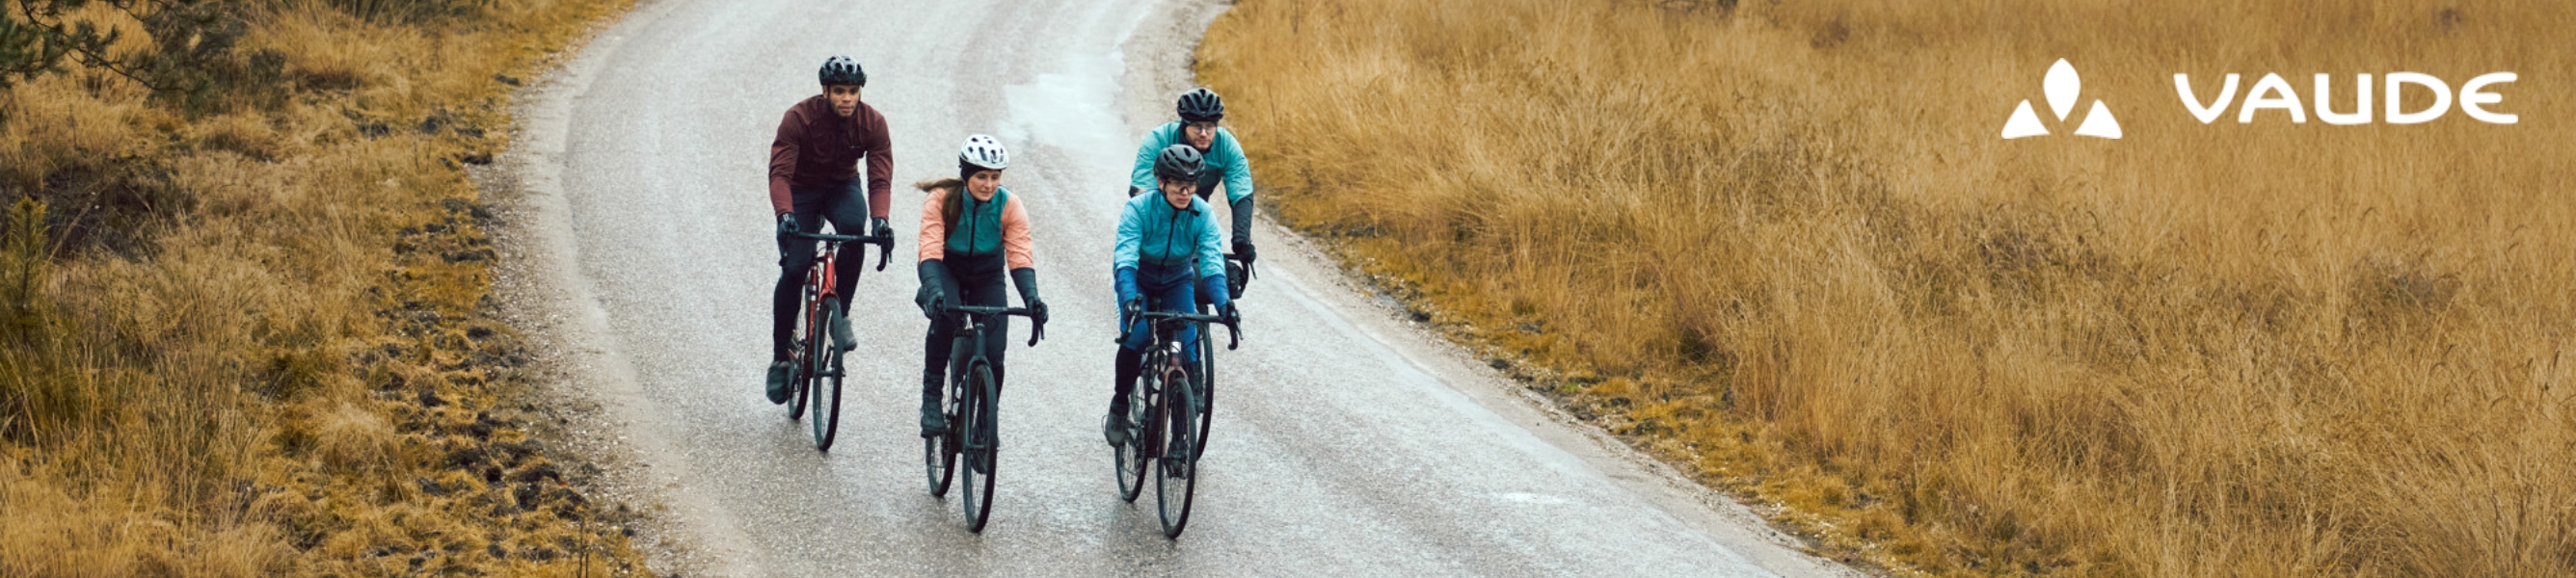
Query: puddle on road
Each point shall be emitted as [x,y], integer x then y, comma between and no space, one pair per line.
[1530,498]
[1073,110]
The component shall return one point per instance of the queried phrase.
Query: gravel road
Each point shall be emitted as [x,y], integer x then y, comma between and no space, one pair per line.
[1347,442]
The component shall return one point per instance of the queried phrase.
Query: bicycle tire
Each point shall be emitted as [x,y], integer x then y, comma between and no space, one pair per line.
[940,451]
[937,457]
[1174,510]
[979,413]
[1133,458]
[1206,396]
[826,387]
[804,351]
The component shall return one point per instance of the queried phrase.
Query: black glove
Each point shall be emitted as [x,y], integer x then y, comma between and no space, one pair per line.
[1232,316]
[1133,190]
[931,298]
[1237,277]
[786,224]
[881,228]
[1027,280]
[1243,229]
[1129,311]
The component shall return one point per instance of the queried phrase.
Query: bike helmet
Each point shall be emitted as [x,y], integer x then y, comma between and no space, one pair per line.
[1177,162]
[842,70]
[982,153]
[1201,104]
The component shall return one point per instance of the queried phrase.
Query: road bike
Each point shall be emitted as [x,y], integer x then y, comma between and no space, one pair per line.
[972,410]
[1161,411]
[817,364]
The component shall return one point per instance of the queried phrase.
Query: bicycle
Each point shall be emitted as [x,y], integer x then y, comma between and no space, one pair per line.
[813,360]
[1156,408]
[971,411]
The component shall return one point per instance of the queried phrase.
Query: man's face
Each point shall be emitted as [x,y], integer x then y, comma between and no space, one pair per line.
[845,99]
[1177,192]
[1201,134]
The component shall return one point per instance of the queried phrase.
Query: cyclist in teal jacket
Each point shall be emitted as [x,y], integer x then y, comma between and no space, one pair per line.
[1167,259]
[1222,158]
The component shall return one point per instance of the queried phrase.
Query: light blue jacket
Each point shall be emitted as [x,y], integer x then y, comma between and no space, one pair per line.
[1224,159]
[1153,234]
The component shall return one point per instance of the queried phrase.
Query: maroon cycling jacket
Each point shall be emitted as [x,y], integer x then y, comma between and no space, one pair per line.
[817,148]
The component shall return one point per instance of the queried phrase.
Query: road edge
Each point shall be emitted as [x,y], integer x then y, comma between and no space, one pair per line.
[577,361]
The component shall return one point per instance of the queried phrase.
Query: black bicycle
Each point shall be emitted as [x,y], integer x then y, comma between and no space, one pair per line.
[1161,411]
[814,360]
[971,409]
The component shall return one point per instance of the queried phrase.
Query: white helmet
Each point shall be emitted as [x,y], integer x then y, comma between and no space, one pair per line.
[983,152]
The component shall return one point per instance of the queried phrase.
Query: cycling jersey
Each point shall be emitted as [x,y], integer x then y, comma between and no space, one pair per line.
[818,149]
[1152,233]
[1224,160]
[984,229]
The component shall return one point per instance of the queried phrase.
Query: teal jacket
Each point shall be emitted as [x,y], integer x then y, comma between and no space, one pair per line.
[1152,233]
[1224,161]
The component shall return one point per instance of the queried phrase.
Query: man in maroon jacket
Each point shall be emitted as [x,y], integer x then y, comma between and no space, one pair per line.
[813,170]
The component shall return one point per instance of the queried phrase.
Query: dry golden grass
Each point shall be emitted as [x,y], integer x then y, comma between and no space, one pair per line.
[1783,243]
[248,341]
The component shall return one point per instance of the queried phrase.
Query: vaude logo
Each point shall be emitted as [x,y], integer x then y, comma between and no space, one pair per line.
[2272,92]
[2062,87]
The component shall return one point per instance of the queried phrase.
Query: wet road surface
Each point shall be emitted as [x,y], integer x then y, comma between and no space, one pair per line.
[1345,443]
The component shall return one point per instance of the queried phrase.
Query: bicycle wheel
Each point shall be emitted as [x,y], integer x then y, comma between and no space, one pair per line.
[1205,395]
[943,449]
[1178,481]
[939,453]
[808,347]
[977,428]
[826,386]
[1135,456]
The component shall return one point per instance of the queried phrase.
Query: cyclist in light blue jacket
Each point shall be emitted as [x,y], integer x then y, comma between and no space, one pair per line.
[1169,256]
[1222,159]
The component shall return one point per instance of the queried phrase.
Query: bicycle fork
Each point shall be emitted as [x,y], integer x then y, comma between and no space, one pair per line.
[1178,415]
[962,367]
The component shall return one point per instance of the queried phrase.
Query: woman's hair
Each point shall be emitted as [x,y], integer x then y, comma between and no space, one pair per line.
[953,205]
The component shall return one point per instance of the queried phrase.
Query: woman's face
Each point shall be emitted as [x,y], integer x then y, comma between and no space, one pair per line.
[983,184]
[1177,192]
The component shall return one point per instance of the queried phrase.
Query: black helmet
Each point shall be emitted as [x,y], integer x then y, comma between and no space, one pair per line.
[1201,104]
[842,70]
[1177,162]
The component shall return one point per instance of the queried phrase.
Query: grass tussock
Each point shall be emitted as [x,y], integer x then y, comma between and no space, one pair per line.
[1781,242]
[242,327]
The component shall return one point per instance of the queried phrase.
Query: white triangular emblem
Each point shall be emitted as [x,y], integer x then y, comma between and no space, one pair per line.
[2062,86]
[2099,123]
[2023,123]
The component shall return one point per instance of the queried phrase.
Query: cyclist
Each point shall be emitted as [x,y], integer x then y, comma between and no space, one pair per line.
[972,231]
[813,173]
[1167,258]
[1222,160]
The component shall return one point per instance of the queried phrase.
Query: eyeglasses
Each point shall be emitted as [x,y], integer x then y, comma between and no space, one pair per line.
[1203,126]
